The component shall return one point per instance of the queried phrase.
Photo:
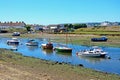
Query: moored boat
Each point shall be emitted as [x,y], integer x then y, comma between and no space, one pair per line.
[32,42]
[14,41]
[16,34]
[103,38]
[94,52]
[47,46]
[63,49]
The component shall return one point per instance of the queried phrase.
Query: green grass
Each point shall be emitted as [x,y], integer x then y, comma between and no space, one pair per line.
[56,69]
[114,30]
[99,33]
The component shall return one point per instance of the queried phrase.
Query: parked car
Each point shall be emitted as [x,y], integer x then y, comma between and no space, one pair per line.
[103,38]
[16,34]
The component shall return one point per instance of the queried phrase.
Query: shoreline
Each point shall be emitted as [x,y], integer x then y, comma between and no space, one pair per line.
[39,69]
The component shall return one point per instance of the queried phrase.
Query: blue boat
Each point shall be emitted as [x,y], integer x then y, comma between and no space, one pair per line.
[104,38]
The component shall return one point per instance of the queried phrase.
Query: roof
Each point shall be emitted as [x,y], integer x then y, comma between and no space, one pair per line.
[12,24]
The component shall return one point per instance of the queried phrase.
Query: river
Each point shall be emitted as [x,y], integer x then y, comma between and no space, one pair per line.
[101,64]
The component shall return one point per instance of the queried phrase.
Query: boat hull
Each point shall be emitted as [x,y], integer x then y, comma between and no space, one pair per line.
[47,46]
[63,50]
[99,39]
[32,44]
[91,55]
[12,43]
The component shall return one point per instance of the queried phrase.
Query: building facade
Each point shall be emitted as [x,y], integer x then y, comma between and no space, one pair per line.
[8,25]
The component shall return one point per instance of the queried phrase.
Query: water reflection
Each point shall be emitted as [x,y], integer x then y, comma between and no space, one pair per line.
[65,54]
[47,51]
[13,47]
[92,59]
[32,48]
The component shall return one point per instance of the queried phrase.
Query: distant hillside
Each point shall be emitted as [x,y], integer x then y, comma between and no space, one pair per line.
[114,30]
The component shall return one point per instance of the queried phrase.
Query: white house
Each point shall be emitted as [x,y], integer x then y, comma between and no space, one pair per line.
[56,28]
[7,25]
[106,23]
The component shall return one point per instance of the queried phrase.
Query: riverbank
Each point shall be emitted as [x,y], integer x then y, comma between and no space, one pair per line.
[79,39]
[14,66]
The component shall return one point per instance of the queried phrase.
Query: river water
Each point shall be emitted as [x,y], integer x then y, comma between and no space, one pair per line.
[101,64]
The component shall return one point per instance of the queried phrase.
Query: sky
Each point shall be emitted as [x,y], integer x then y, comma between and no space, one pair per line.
[46,12]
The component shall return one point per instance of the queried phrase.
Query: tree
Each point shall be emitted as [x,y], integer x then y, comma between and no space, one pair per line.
[76,26]
[65,25]
[70,26]
[28,27]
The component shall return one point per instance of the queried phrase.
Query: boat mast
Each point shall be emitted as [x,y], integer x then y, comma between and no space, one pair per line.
[66,38]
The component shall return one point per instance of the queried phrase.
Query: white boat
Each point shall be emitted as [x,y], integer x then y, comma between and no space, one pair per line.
[94,52]
[13,41]
[16,34]
[32,42]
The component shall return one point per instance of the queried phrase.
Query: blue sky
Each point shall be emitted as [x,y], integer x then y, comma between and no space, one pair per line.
[59,11]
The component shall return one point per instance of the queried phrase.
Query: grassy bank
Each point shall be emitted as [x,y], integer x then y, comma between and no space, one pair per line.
[109,31]
[14,66]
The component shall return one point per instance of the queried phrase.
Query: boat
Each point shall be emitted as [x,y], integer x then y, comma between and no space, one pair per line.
[103,38]
[13,41]
[63,48]
[48,45]
[16,34]
[93,52]
[32,42]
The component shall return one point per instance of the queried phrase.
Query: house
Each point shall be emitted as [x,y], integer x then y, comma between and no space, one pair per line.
[37,27]
[56,28]
[53,28]
[8,25]
[106,23]
[62,28]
